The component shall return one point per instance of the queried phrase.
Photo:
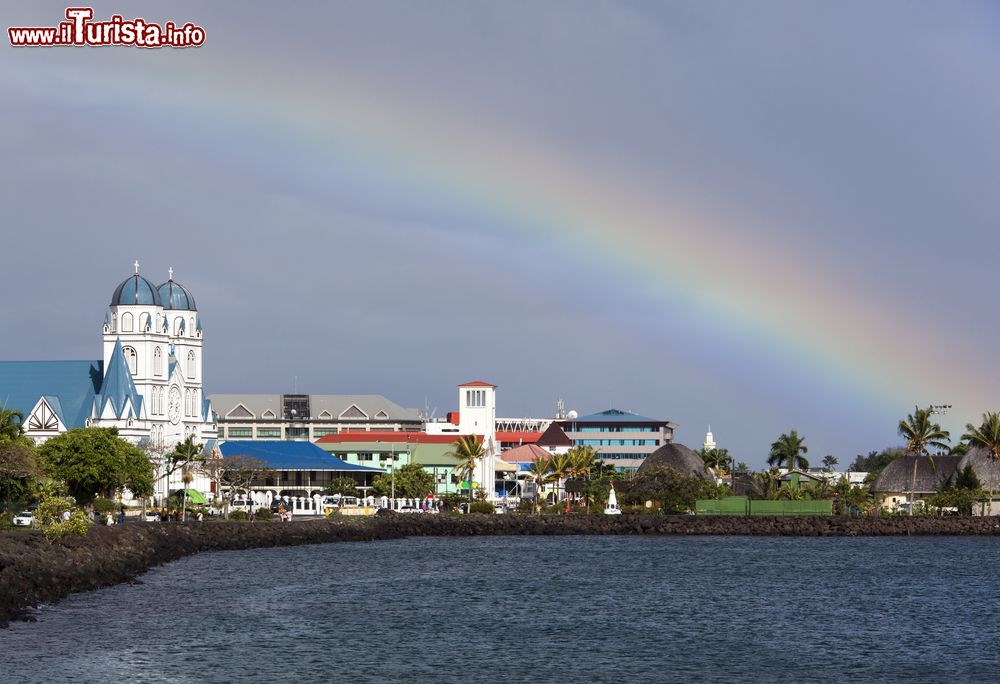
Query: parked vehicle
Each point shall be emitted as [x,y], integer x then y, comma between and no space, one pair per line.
[245,505]
[336,501]
[151,516]
[24,519]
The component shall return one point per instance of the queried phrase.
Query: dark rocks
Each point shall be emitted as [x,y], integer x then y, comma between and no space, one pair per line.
[32,571]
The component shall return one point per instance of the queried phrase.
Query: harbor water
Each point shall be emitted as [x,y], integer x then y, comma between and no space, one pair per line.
[537,609]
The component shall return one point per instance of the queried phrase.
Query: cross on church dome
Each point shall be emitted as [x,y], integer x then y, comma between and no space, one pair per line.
[136,264]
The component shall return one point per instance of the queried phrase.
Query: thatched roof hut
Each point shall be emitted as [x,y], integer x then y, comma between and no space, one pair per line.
[897,477]
[678,457]
[986,469]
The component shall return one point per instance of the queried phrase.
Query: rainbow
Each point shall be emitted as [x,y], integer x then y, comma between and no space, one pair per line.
[776,297]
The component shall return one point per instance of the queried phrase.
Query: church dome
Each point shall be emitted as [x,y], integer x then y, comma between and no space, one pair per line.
[175,296]
[135,290]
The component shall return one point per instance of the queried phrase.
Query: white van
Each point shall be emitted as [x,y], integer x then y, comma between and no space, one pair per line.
[337,501]
[245,505]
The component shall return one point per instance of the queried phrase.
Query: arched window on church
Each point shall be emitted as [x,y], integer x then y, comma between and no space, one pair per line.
[114,322]
[131,358]
[178,326]
[157,362]
[127,322]
[192,366]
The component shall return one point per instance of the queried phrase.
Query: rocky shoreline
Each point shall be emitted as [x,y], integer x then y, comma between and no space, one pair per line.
[33,571]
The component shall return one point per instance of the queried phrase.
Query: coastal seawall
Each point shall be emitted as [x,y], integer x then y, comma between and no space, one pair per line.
[33,571]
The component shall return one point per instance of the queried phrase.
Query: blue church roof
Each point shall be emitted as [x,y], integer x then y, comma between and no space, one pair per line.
[72,384]
[291,456]
[135,290]
[118,386]
[175,296]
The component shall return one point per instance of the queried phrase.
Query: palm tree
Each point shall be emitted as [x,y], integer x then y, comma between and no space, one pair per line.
[540,470]
[184,454]
[921,434]
[787,492]
[788,449]
[187,477]
[581,461]
[986,436]
[828,462]
[820,489]
[11,425]
[718,460]
[765,484]
[468,450]
[560,465]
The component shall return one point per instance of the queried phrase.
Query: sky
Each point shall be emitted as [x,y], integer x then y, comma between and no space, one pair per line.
[756,216]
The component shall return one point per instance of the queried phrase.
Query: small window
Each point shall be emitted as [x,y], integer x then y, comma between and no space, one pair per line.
[131,358]
[158,362]
[127,322]
[191,365]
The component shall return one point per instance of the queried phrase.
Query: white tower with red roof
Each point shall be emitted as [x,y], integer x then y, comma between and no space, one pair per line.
[477,402]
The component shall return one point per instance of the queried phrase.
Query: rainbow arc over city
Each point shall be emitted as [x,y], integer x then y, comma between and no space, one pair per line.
[770,295]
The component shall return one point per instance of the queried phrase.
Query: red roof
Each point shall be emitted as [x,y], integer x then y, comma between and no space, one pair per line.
[477,383]
[554,437]
[524,454]
[522,437]
[389,437]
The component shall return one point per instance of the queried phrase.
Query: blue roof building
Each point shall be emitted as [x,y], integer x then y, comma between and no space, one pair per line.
[298,468]
[619,437]
[53,396]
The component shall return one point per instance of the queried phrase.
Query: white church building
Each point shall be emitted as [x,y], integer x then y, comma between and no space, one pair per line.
[148,383]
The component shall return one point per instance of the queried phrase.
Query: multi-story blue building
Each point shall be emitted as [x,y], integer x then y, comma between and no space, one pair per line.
[619,437]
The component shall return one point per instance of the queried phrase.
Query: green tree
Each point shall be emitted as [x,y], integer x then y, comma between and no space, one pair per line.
[671,491]
[559,466]
[788,450]
[183,457]
[50,517]
[788,492]
[345,486]
[921,433]
[987,438]
[94,461]
[765,485]
[581,464]
[12,426]
[849,499]
[540,471]
[821,489]
[875,461]
[19,472]
[829,461]
[467,451]
[717,459]
[138,476]
[412,482]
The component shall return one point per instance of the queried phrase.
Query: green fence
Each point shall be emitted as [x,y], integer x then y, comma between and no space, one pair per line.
[741,505]
[730,505]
